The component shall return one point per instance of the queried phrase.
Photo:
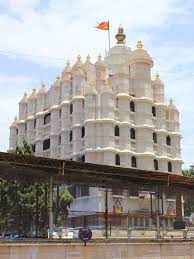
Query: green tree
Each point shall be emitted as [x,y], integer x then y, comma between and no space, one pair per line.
[26,149]
[188,199]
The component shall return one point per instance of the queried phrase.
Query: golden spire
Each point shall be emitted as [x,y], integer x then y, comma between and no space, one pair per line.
[34,90]
[120,36]
[171,101]
[99,57]
[43,85]
[139,45]
[79,63]
[88,57]
[157,75]
[68,62]
[106,82]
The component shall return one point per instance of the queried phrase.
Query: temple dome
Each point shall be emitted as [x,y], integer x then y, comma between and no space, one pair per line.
[33,94]
[100,62]
[140,55]
[172,106]
[157,80]
[24,98]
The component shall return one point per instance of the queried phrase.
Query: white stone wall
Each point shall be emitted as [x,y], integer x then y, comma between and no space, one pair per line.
[81,97]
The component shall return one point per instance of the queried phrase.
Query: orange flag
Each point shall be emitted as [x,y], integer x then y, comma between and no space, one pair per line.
[103,26]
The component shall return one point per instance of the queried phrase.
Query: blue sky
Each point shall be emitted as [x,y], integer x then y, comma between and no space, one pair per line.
[37,38]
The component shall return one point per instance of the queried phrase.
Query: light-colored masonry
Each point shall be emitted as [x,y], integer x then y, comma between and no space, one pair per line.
[110,112]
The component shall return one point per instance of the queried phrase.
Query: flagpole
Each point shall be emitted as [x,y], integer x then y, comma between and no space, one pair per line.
[109,35]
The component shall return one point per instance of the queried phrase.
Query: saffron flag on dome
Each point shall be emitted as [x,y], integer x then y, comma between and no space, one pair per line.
[103,26]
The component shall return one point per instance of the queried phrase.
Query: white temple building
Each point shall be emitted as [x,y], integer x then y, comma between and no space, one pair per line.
[111,112]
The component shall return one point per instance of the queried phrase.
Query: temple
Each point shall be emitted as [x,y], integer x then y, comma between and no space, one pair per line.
[111,112]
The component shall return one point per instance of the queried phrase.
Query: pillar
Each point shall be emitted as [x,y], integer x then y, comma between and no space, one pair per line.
[50,208]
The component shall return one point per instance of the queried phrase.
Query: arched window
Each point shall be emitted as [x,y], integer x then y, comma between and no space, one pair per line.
[117,159]
[59,140]
[132,133]
[47,118]
[132,106]
[71,136]
[83,159]
[133,161]
[83,132]
[168,141]
[155,164]
[169,167]
[155,137]
[34,123]
[117,133]
[71,108]
[60,113]
[154,111]
[117,103]
[46,144]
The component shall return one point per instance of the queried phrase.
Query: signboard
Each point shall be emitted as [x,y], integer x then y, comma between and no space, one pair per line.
[85,234]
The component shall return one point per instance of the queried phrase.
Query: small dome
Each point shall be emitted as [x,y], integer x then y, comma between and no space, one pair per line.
[140,55]
[88,65]
[77,68]
[24,98]
[100,62]
[78,64]
[33,94]
[157,80]
[14,124]
[67,69]
[172,106]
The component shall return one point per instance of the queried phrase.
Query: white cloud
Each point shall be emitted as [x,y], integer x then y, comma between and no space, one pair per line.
[63,29]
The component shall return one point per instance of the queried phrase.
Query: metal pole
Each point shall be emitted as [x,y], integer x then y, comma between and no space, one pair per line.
[36,210]
[109,35]
[50,208]
[57,207]
[158,215]
[106,213]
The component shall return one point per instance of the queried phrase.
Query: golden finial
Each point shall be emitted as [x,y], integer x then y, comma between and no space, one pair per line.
[34,90]
[99,57]
[58,77]
[171,100]
[139,45]
[92,83]
[106,82]
[43,84]
[68,62]
[120,36]
[157,75]
[79,63]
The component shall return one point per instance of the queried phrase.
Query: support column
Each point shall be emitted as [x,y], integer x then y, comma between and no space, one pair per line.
[50,208]
[179,213]
[106,213]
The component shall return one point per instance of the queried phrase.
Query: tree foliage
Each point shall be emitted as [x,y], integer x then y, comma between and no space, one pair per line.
[188,199]
[23,206]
